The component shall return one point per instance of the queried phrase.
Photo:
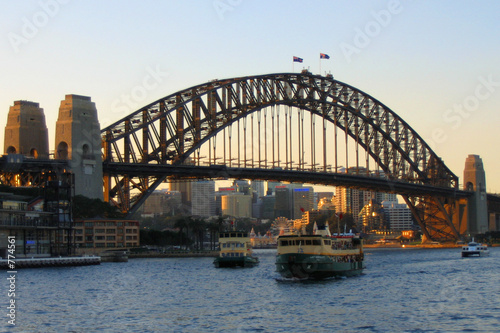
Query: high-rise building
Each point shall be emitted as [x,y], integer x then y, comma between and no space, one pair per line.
[303,201]
[352,201]
[184,188]
[237,205]
[203,198]
[271,187]
[26,131]
[258,187]
[283,202]
[268,203]
[398,215]
[218,198]
[242,186]
[372,218]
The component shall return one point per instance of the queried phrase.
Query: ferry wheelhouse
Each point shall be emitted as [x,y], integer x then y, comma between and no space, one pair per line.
[235,250]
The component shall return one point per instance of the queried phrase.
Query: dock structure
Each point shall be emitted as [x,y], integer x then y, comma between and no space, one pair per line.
[50,262]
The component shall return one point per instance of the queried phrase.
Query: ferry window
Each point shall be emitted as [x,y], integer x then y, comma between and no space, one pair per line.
[308,242]
[284,243]
[328,242]
[316,242]
[233,234]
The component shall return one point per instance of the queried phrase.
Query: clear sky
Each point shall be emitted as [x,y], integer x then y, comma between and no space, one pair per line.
[435,63]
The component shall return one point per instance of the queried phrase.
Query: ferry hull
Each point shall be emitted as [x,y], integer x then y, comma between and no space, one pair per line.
[222,262]
[475,253]
[308,266]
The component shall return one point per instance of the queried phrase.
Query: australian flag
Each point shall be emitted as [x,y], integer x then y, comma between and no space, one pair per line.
[297,59]
[324,56]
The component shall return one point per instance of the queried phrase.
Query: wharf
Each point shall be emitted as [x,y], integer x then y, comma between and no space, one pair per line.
[174,254]
[49,262]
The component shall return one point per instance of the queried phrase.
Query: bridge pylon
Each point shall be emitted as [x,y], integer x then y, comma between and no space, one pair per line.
[26,132]
[475,180]
[78,140]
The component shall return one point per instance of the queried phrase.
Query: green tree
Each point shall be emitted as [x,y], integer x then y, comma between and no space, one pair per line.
[84,207]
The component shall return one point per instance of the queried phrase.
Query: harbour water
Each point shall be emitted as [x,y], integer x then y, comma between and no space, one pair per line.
[401,290]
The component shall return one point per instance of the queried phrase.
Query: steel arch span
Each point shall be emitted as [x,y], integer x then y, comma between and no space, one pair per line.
[260,123]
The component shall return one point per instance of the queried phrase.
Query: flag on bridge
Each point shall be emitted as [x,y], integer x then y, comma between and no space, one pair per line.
[297,59]
[324,56]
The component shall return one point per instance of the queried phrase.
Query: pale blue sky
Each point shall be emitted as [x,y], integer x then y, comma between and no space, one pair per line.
[426,60]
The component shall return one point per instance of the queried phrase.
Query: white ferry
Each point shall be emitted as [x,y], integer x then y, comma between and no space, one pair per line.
[475,249]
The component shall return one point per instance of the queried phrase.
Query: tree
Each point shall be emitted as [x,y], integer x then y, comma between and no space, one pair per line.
[182,224]
[198,227]
[84,207]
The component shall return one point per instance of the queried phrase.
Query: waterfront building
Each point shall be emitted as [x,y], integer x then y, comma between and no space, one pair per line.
[92,236]
[203,198]
[398,215]
[372,218]
[38,224]
[33,229]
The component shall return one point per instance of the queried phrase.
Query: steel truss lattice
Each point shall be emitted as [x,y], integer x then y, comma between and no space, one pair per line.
[173,130]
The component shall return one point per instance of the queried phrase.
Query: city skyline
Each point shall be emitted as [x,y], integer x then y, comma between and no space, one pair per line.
[433,64]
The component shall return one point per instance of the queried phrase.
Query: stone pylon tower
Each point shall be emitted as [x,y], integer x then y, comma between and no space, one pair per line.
[26,132]
[475,180]
[78,139]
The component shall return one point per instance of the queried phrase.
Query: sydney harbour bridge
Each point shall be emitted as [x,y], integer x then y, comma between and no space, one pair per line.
[296,127]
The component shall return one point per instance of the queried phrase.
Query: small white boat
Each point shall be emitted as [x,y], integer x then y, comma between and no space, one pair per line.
[475,249]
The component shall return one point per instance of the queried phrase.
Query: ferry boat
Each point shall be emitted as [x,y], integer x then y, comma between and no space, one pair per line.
[475,249]
[320,255]
[235,250]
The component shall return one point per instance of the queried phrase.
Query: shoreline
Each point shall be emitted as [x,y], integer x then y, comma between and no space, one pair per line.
[175,254]
[422,246]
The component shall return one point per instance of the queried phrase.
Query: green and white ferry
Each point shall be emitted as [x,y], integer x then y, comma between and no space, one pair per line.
[319,256]
[235,250]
